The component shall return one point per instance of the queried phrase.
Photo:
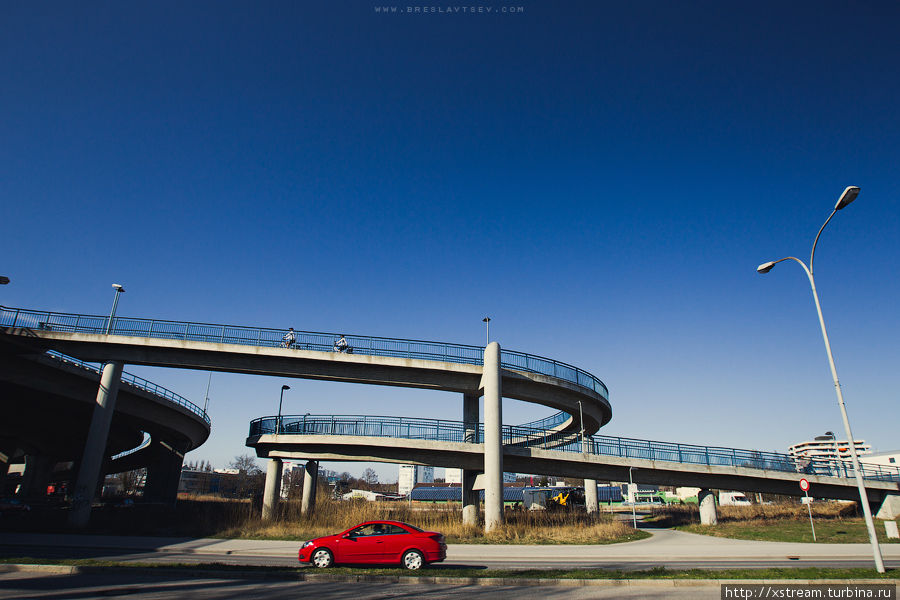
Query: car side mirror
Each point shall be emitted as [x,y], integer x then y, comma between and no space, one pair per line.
[347,535]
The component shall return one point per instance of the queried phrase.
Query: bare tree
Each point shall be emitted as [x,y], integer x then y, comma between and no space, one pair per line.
[369,477]
[246,465]
[250,477]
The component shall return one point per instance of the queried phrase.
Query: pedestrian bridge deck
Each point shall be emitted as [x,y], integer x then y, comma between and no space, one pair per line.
[552,452]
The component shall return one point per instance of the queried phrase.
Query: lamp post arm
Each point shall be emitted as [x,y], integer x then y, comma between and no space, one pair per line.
[816,241]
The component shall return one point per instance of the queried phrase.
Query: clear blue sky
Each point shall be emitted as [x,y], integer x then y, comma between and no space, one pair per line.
[600,178]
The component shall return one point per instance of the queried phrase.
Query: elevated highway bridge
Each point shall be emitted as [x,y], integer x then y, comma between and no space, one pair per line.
[565,443]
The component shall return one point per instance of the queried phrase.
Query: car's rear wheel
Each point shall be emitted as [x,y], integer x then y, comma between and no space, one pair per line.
[413,560]
[322,558]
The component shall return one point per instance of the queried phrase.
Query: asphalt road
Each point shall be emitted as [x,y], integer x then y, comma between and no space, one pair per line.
[666,548]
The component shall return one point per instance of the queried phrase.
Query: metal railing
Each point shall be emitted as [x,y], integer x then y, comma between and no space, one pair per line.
[455,431]
[303,340]
[138,382]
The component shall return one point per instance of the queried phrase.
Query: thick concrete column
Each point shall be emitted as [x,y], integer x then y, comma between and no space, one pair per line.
[493,438]
[707,502]
[310,480]
[36,476]
[272,493]
[5,457]
[95,446]
[590,496]
[469,496]
[163,473]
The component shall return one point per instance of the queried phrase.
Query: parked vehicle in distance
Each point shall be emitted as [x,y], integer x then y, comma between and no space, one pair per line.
[376,542]
[733,499]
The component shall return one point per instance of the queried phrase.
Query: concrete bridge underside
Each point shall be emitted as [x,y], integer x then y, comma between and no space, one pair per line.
[47,408]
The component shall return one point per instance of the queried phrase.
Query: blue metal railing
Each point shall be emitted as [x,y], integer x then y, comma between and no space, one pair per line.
[138,382]
[551,422]
[303,340]
[455,431]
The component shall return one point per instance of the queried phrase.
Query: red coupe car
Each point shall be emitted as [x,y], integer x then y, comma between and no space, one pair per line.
[374,542]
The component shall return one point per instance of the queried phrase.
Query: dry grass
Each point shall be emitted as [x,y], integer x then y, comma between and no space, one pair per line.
[687,514]
[330,516]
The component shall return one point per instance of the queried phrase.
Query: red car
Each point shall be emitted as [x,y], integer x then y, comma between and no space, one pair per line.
[374,542]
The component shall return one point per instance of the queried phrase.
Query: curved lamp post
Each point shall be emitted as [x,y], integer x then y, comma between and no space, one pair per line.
[112,314]
[846,198]
[280,400]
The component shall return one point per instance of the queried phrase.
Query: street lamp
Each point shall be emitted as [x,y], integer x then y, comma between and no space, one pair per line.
[280,400]
[848,196]
[112,314]
[633,494]
[581,417]
[4,279]
[487,323]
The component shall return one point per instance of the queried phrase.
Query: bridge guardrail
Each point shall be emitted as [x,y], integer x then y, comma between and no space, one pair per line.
[303,340]
[455,431]
[138,382]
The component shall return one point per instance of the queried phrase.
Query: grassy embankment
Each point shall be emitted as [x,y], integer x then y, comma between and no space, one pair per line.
[214,517]
[835,522]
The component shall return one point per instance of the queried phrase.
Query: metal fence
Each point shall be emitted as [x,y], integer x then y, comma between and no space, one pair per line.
[138,382]
[302,340]
[455,431]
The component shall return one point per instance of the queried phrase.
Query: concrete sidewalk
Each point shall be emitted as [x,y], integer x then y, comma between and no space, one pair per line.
[663,545]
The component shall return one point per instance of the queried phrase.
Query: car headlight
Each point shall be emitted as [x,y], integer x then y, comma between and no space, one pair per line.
[306,545]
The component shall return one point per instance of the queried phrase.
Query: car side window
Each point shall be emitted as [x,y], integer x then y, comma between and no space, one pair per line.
[394,529]
[370,529]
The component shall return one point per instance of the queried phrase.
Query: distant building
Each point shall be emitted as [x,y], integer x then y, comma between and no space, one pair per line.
[368,495]
[826,448]
[411,475]
[221,482]
[291,473]
[884,459]
[455,476]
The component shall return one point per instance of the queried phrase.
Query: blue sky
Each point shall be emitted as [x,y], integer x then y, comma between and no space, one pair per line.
[601,179]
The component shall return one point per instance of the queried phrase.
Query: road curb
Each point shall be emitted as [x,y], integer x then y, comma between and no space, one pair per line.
[425,579]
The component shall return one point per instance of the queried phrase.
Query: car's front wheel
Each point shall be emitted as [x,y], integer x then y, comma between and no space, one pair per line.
[322,558]
[413,559]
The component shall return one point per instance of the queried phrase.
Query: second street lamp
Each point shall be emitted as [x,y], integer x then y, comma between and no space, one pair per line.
[848,196]
[112,314]
[280,400]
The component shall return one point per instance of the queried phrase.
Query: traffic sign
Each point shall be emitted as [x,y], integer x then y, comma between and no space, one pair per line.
[804,485]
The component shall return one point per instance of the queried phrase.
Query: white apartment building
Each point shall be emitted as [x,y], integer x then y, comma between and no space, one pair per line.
[827,448]
[410,475]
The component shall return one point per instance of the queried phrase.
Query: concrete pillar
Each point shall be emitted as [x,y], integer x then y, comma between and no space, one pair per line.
[95,446]
[310,480]
[707,502]
[163,473]
[5,457]
[590,496]
[272,493]
[493,438]
[469,496]
[36,476]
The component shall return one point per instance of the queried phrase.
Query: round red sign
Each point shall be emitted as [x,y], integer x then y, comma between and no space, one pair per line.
[804,485]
